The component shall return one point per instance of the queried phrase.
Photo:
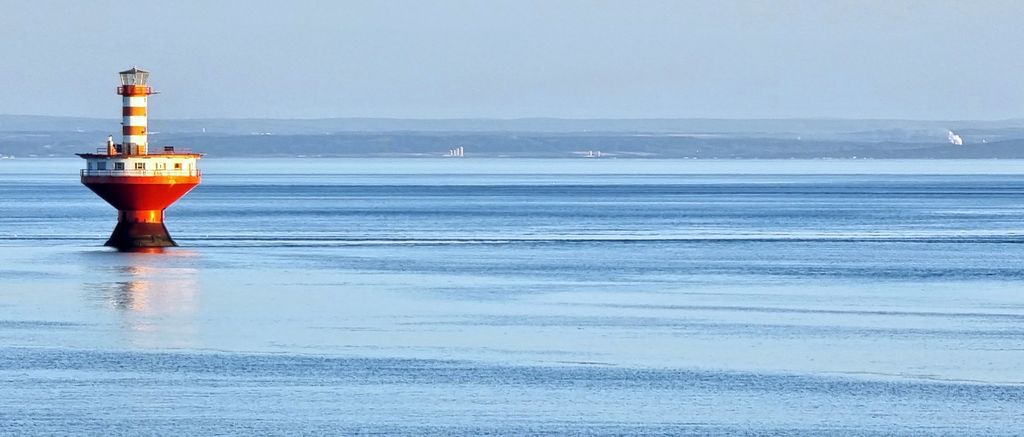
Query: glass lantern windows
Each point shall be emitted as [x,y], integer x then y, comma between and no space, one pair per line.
[134,76]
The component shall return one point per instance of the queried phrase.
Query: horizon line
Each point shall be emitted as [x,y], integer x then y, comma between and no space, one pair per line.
[537,118]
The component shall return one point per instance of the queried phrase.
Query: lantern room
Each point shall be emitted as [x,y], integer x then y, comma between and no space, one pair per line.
[134,76]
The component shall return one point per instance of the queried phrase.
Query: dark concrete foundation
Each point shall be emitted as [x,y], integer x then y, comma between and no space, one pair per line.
[130,235]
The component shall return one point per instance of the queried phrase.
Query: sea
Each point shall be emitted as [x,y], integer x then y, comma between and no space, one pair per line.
[472,296]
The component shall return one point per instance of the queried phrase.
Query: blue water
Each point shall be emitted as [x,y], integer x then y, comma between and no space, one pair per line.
[467,296]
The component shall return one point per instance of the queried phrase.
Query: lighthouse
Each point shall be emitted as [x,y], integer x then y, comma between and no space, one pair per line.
[139,182]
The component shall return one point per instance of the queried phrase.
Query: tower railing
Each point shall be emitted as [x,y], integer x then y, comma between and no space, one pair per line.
[165,150]
[133,172]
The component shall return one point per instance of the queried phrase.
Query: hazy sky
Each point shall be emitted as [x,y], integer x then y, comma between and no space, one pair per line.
[509,59]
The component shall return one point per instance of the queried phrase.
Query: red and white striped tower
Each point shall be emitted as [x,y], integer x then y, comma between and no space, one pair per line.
[140,184]
[135,93]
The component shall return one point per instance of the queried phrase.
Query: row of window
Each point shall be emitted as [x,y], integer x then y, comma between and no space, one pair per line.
[102,165]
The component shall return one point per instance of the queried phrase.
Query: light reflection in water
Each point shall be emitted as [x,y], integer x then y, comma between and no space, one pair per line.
[155,294]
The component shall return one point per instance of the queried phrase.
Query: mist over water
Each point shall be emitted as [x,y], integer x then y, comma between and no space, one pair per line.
[522,296]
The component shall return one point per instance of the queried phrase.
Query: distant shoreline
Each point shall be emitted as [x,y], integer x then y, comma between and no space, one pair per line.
[539,138]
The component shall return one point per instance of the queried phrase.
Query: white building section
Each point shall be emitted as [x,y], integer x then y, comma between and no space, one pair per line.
[955,138]
[146,165]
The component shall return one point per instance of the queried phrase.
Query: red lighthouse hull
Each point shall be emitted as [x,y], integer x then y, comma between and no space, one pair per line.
[140,201]
[140,192]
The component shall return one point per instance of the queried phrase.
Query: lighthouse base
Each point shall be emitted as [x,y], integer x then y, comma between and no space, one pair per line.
[140,229]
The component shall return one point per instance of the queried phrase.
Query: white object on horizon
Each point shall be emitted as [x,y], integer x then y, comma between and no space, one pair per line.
[457,152]
[955,139]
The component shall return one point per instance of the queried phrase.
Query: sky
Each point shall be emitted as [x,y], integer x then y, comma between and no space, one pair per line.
[925,60]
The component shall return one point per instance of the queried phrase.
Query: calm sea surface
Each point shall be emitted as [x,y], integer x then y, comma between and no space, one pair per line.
[474,296]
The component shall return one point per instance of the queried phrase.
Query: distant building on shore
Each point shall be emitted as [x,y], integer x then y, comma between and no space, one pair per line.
[955,138]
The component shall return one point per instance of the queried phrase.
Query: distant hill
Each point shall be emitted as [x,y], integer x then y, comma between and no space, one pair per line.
[22,135]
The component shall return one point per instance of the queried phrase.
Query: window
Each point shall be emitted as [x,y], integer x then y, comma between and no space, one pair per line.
[140,165]
[161,166]
[118,166]
[101,165]
[177,166]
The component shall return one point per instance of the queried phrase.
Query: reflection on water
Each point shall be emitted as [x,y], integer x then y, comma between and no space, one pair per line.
[156,298]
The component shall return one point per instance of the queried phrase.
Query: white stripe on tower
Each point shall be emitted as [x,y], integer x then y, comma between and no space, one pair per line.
[134,120]
[137,101]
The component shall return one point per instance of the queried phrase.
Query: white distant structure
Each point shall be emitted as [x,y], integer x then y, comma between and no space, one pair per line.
[955,138]
[593,154]
[457,152]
